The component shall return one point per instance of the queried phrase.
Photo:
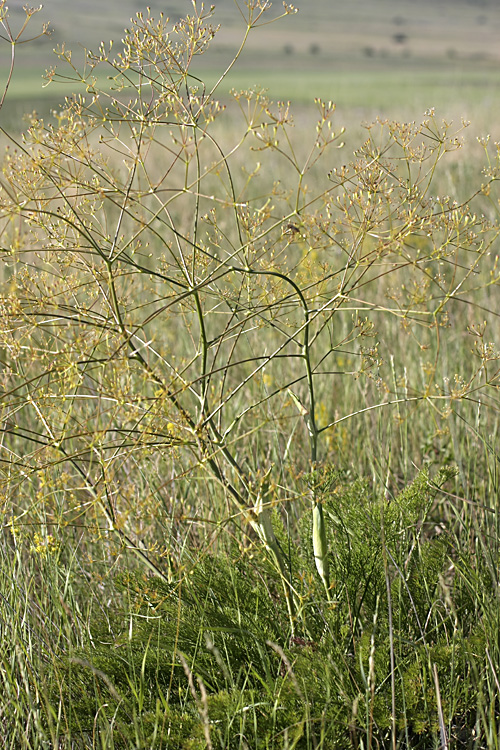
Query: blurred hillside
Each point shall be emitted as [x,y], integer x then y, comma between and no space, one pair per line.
[425,30]
[363,52]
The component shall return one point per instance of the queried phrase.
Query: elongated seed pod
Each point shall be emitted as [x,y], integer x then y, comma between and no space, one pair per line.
[320,544]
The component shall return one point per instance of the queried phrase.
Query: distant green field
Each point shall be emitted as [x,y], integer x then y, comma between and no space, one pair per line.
[385,92]
[358,94]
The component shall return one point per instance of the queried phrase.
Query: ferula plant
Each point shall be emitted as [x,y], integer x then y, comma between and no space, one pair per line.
[188,282]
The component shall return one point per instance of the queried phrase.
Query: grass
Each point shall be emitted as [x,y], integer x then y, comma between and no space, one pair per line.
[388,93]
[360,96]
[250,466]
[240,679]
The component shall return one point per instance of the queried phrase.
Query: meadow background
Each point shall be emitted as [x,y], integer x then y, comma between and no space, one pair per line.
[388,58]
[198,551]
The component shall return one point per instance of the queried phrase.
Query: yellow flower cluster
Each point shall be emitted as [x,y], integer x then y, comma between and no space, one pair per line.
[44,545]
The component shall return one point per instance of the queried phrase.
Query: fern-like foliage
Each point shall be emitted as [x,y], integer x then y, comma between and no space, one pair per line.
[210,657]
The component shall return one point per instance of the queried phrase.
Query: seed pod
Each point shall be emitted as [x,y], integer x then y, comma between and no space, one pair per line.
[320,544]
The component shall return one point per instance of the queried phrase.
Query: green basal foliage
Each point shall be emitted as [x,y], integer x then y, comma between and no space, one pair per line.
[214,652]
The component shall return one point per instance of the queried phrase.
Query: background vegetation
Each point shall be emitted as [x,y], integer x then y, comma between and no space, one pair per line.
[249,406]
[381,57]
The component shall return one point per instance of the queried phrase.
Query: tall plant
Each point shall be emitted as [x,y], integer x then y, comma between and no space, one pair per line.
[179,294]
